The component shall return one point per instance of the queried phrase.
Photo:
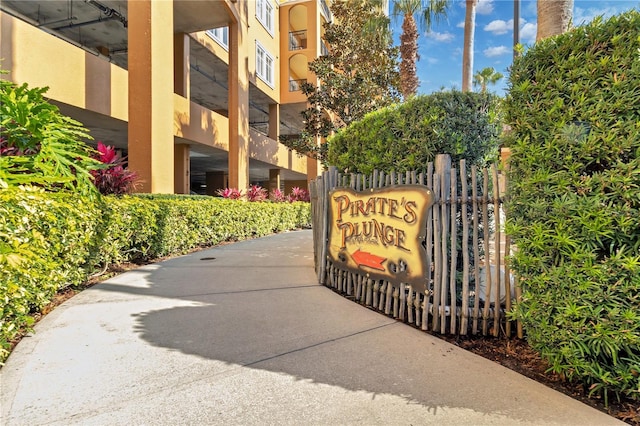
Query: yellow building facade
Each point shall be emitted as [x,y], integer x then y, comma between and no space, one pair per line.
[195,92]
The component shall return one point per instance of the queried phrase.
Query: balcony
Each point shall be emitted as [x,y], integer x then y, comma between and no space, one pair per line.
[324,49]
[325,10]
[296,85]
[297,40]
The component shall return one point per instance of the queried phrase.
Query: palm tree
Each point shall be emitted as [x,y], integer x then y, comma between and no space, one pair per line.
[554,17]
[467,55]
[427,11]
[485,77]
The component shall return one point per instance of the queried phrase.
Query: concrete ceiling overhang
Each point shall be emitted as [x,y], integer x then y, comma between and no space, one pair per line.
[198,15]
[98,24]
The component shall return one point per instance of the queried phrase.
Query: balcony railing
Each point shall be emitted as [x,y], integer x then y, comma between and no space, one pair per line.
[296,85]
[297,40]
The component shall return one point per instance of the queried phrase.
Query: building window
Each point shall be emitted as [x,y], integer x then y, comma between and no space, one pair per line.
[221,35]
[264,13]
[264,65]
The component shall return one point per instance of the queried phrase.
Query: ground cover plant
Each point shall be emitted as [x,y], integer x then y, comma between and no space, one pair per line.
[574,210]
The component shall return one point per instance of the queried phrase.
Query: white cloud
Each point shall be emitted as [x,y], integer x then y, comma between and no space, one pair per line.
[583,16]
[431,60]
[484,7]
[444,37]
[528,33]
[492,52]
[499,26]
[460,24]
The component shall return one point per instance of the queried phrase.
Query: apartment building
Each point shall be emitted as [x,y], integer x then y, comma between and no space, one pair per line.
[195,92]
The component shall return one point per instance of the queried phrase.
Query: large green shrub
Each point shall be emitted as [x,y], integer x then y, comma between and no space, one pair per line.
[407,136]
[574,210]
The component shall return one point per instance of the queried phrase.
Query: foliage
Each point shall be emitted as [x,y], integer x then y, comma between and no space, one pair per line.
[257,193]
[427,11]
[39,145]
[486,76]
[49,241]
[298,194]
[231,193]
[44,247]
[574,207]
[407,136]
[358,75]
[277,196]
[114,178]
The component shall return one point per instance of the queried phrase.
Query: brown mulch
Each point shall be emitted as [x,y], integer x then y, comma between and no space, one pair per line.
[516,355]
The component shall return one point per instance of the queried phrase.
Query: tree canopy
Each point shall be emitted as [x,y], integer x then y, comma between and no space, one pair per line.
[357,76]
[427,12]
[486,76]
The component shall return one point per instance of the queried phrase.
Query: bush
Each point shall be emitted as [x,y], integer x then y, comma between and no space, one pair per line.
[44,247]
[49,241]
[113,178]
[40,146]
[574,106]
[407,136]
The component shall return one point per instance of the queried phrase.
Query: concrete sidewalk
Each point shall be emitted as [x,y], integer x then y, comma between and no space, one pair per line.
[242,334]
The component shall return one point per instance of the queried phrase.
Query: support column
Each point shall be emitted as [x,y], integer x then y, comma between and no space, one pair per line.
[238,106]
[274,179]
[215,181]
[274,122]
[181,169]
[150,27]
[181,69]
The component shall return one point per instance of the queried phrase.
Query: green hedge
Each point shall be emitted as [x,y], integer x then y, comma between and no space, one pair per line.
[574,106]
[44,245]
[49,241]
[407,136]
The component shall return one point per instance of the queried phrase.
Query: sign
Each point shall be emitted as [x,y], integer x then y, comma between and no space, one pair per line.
[380,233]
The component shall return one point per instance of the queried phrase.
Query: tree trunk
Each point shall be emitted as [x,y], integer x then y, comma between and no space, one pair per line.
[467,57]
[554,17]
[409,57]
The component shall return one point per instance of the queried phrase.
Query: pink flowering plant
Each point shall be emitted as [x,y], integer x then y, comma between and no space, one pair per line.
[229,193]
[113,178]
[256,193]
[298,194]
[277,196]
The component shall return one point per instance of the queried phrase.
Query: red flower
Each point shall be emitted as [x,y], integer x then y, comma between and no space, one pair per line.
[108,154]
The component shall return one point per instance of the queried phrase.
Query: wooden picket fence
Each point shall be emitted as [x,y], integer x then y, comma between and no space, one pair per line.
[467,292]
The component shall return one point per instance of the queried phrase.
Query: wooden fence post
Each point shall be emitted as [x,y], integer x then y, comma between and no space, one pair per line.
[443,170]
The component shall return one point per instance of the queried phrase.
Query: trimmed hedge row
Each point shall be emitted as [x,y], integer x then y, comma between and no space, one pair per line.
[49,241]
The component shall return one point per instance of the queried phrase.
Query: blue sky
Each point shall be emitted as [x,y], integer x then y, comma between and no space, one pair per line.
[440,50]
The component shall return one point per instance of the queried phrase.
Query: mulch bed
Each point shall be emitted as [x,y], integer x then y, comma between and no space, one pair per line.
[516,355]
